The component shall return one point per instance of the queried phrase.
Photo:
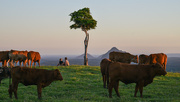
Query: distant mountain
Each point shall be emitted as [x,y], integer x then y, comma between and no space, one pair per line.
[82,56]
[173,54]
[173,64]
[106,55]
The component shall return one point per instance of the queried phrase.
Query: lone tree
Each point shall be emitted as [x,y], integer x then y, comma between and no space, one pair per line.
[83,19]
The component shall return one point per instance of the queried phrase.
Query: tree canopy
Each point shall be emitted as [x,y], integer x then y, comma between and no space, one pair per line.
[82,19]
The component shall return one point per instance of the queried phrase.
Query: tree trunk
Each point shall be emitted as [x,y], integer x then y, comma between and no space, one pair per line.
[86,40]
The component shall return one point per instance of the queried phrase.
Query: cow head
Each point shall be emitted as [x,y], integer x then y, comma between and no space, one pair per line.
[135,59]
[159,69]
[4,72]
[57,75]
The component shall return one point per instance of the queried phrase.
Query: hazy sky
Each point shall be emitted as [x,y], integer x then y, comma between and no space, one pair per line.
[135,26]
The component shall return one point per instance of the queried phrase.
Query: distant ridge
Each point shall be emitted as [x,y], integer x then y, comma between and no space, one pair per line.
[106,55]
[82,56]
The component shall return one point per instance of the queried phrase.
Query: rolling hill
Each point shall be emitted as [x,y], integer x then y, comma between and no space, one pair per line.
[82,56]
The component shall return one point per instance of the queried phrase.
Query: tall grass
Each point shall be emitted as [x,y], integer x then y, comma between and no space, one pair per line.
[84,83]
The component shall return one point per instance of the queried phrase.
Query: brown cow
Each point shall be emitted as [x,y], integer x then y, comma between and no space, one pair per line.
[144,59]
[28,76]
[4,57]
[20,56]
[33,57]
[158,58]
[104,64]
[123,57]
[142,75]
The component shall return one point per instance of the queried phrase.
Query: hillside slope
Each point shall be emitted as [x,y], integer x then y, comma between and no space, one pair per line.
[84,83]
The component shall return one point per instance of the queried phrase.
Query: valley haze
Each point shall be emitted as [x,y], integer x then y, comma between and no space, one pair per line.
[173,60]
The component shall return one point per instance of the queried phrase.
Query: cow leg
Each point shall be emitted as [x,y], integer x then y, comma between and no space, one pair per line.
[116,87]
[39,89]
[15,63]
[39,63]
[28,63]
[34,64]
[20,63]
[104,81]
[10,91]
[110,88]
[136,89]
[107,79]
[8,62]
[4,63]
[15,87]
[11,64]
[24,63]
[31,63]
[141,88]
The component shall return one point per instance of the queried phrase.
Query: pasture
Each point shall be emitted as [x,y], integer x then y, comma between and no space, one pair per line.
[84,83]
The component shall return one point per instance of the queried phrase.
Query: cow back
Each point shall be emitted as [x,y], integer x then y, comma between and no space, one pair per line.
[144,59]
[123,57]
[29,76]
[35,56]
[4,55]
[133,73]
[18,55]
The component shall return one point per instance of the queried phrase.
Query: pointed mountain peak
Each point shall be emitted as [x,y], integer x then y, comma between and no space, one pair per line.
[114,49]
[82,56]
[106,55]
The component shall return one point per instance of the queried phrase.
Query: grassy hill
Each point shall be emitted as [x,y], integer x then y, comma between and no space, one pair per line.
[84,83]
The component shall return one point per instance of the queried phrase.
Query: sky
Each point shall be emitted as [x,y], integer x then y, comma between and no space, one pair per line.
[134,26]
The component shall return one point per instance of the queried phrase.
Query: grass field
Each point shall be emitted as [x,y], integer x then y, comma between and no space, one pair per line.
[84,83]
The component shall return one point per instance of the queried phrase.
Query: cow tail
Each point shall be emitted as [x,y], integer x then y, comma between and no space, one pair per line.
[107,74]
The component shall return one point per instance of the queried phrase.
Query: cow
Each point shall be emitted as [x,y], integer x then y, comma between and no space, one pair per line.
[142,75]
[123,57]
[158,58]
[4,57]
[144,59]
[20,56]
[103,65]
[4,73]
[33,57]
[29,76]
